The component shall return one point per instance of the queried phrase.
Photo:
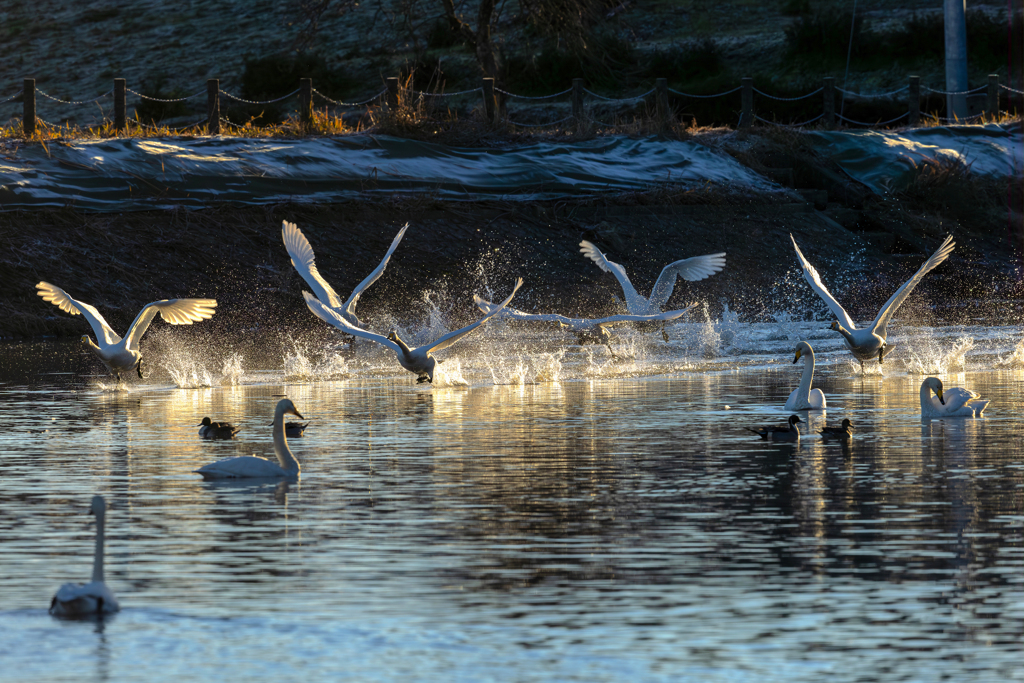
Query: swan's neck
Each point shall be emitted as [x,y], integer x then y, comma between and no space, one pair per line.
[402,345]
[926,396]
[97,559]
[846,333]
[284,454]
[92,346]
[804,393]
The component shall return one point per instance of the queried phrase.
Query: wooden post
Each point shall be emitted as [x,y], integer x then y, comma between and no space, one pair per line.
[392,96]
[305,102]
[488,87]
[213,106]
[914,101]
[119,105]
[661,100]
[577,99]
[28,100]
[993,95]
[828,85]
[747,102]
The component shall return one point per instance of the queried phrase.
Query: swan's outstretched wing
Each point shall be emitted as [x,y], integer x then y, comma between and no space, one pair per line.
[353,299]
[814,280]
[633,299]
[174,311]
[331,318]
[690,269]
[303,260]
[452,337]
[59,298]
[514,314]
[894,302]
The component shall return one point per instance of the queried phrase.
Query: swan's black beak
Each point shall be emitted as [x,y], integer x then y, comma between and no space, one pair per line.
[938,392]
[797,356]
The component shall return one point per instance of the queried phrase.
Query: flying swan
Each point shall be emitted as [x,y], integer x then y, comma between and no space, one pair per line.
[253,467]
[870,342]
[419,360]
[587,330]
[803,397]
[302,257]
[79,599]
[122,355]
[955,402]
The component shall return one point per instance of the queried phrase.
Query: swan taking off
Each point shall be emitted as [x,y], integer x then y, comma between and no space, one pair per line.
[870,342]
[217,430]
[803,397]
[955,402]
[419,360]
[586,329]
[691,270]
[788,432]
[80,599]
[302,257]
[253,467]
[122,355]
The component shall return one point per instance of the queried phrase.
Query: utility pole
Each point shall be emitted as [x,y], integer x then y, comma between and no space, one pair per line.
[956,57]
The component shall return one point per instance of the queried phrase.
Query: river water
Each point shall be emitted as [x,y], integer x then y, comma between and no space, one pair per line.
[542,512]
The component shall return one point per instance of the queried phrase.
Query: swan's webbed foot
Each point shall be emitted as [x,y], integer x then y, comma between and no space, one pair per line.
[423,378]
[611,352]
[138,368]
[664,334]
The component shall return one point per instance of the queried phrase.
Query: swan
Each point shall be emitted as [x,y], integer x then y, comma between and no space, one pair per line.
[419,360]
[302,257]
[253,467]
[295,429]
[870,342]
[78,599]
[587,330]
[691,269]
[122,355]
[789,432]
[844,432]
[217,430]
[955,402]
[803,397]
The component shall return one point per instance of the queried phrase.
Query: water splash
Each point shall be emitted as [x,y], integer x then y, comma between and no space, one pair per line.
[933,360]
[304,364]
[1014,361]
[518,370]
[728,326]
[231,373]
[188,374]
[449,374]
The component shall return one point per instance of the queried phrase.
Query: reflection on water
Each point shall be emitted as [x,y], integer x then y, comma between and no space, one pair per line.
[600,527]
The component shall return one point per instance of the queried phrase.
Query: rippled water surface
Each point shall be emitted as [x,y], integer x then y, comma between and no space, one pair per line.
[537,514]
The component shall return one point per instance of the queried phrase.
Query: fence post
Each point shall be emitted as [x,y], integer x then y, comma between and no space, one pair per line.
[213,106]
[392,96]
[828,86]
[577,99]
[119,104]
[488,86]
[914,100]
[305,102]
[661,99]
[28,99]
[993,95]
[747,101]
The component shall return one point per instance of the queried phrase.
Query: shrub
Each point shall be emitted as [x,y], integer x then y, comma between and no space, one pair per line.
[150,111]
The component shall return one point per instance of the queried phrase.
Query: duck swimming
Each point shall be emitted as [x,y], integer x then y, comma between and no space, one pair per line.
[789,432]
[217,430]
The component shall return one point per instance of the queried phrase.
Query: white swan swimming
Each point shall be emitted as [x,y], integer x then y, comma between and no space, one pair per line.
[870,342]
[217,430]
[303,258]
[419,360]
[691,270]
[122,355]
[79,599]
[587,330]
[253,467]
[789,432]
[803,397]
[955,402]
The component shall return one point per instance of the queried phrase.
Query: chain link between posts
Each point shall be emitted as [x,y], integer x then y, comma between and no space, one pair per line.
[76,102]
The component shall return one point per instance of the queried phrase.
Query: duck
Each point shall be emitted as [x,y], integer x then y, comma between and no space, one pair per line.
[955,402]
[803,397]
[843,432]
[295,429]
[420,360]
[95,597]
[217,430]
[587,330]
[869,343]
[303,259]
[123,355]
[690,269]
[254,467]
[789,432]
